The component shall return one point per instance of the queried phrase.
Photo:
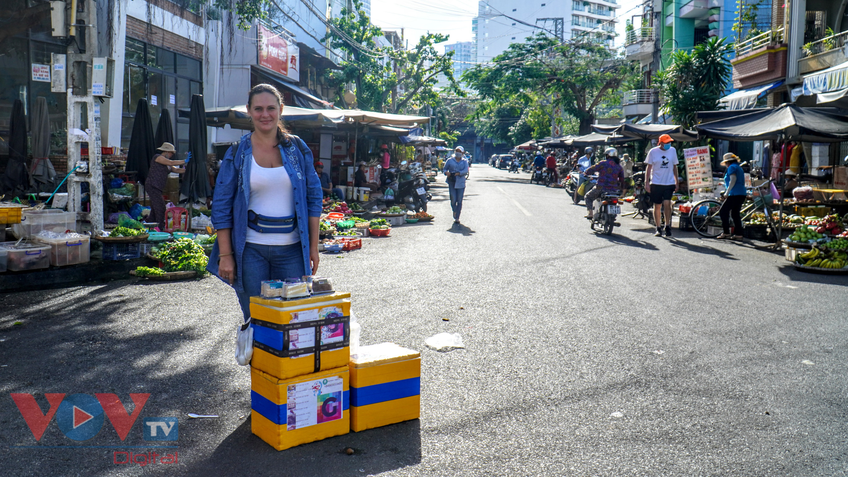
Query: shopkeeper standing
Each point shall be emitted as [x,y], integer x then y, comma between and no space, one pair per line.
[160,166]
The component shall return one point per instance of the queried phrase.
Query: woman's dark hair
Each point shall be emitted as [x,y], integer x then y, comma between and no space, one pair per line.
[282,132]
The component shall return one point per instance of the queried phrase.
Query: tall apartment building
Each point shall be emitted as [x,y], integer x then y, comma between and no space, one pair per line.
[463,57]
[502,22]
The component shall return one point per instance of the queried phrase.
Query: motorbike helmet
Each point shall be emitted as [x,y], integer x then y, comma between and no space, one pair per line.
[589,150]
[611,151]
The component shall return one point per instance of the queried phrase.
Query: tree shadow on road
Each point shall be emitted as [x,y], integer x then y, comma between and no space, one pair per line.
[824,278]
[461,229]
[701,249]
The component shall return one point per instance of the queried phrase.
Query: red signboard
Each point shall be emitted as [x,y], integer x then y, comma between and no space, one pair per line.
[277,54]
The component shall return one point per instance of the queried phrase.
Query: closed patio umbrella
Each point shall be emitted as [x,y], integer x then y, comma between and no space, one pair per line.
[195,184]
[142,147]
[42,171]
[165,129]
[16,178]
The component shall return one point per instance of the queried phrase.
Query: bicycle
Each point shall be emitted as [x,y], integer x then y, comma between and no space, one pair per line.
[706,221]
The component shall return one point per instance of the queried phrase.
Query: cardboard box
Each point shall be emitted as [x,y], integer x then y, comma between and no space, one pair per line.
[288,413]
[296,337]
[812,211]
[385,386]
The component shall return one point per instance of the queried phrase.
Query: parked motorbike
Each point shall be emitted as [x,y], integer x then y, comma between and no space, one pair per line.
[414,193]
[604,212]
[571,181]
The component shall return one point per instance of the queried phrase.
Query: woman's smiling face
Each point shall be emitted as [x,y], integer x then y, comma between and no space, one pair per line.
[265,112]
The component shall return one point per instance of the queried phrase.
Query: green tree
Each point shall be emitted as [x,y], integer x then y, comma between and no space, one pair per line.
[576,75]
[387,79]
[695,81]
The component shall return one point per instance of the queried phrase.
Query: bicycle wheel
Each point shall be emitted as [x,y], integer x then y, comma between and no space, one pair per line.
[704,215]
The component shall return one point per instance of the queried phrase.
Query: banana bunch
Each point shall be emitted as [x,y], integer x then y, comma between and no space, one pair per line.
[817,258]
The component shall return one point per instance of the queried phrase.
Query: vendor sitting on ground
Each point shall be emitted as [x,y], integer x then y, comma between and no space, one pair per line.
[327,183]
[360,180]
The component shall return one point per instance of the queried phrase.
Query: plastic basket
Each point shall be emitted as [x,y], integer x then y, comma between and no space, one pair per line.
[763,200]
[121,251]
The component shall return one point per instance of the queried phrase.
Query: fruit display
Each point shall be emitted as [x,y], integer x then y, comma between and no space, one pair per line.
[818,258]
[424,216]
[758,218]
[807,234]
[340,207]
[832,224]
[838,244]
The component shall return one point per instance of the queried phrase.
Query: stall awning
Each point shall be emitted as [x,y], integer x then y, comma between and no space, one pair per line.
[236,117]
[747,98]
[789,122]
[422,141]
[386,119]
[301,97]
[829,80]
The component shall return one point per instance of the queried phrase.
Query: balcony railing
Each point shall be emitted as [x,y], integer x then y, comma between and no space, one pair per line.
[770,37]
[639,34]
[599,11]
[828,43]
[638,96]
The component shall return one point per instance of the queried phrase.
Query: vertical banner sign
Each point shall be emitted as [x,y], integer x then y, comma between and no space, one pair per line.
[699,168]
[278,54]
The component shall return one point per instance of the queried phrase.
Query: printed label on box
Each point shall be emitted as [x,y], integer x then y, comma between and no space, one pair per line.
[314,402]
[301,316]
[302,338]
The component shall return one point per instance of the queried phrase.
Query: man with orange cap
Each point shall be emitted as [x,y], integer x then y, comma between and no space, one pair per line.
[661,181]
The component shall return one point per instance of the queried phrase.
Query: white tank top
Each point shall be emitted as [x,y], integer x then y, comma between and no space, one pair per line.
[271,195]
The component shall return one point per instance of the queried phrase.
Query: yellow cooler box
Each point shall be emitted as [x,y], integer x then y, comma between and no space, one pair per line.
[291,412]
[385,386]
[296,337]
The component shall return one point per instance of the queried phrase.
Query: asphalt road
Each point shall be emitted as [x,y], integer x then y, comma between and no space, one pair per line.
[585,355]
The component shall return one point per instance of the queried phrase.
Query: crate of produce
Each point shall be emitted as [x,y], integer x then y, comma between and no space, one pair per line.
[349,244]
[121,251]
[289,412]
[385,386]
[34,222]
[69,249]
[4,257]
[26,256]
[297,337]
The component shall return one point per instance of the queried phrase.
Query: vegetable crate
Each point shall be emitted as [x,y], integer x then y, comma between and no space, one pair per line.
[351,244]
[121,251]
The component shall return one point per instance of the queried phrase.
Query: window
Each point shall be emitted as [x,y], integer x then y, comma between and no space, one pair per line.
[514,9]
[513,24]
[512,38]
[167,79]
[543,4]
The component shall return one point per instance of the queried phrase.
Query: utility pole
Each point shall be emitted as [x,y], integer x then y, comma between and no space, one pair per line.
[83,123]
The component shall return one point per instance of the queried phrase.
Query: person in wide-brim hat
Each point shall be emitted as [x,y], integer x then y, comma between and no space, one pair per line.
[161,165]
[729,157]
[733,198]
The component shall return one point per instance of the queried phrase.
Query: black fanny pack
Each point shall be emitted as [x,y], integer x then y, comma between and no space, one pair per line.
[271,225]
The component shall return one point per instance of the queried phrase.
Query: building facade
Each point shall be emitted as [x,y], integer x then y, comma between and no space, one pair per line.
[500,23]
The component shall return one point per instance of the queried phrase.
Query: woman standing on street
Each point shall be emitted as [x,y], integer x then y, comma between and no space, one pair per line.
[160,166]
[734,196]
[267,204]
[455,170]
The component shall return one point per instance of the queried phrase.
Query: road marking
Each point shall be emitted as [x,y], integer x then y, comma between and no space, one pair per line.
[528,214]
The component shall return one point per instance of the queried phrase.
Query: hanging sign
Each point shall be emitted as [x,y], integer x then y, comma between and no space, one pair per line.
[278,54]
[41,73]
[699,168]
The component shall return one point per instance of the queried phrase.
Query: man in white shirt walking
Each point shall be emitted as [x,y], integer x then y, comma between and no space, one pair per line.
[661,181]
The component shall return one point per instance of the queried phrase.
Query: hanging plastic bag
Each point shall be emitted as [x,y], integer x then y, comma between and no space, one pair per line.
[244,344]
[582,189]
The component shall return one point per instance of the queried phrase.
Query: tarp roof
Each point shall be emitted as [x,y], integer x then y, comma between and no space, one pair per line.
[596,139]
[648,131]
[236,117]
[747,98]
[387,119]
[789,121]
[422,141]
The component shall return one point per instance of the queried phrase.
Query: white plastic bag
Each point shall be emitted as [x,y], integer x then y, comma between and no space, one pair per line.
[244,344]
[445,341]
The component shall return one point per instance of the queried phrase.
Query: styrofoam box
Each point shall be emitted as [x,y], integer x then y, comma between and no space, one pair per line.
[290,412]
[67,251]
[385,386]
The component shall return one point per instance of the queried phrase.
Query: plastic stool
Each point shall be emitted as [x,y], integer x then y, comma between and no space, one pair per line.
[176,218]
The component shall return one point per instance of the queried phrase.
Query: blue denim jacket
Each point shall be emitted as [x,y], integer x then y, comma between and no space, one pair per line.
[460,166]
[232,195]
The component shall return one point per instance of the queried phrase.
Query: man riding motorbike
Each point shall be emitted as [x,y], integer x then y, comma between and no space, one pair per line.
[610,178]
[583,163]
[539,160]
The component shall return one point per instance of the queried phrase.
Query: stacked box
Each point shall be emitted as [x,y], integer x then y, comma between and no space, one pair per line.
[385,386]
[290,412]
[298,337]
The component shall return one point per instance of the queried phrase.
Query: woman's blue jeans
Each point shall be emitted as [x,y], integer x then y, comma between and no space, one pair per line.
[456,200]
[267,262]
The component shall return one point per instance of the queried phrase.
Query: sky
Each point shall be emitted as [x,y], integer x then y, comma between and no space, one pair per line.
[453,17]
